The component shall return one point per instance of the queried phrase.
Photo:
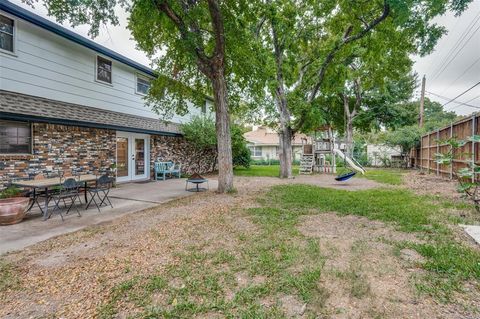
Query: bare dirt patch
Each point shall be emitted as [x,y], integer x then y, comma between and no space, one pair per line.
[363,276]
[292,307]
[429,184]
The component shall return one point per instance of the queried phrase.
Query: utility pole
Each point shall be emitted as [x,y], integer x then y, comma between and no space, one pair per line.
[422,102]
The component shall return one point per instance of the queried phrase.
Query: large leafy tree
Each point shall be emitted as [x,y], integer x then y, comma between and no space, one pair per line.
[391,115]
[303,37]
[375,71]
[307,40]
[201,47]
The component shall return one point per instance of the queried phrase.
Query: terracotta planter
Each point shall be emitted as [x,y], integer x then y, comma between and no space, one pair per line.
[12,210]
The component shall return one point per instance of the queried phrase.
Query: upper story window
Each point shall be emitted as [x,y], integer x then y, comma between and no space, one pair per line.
[104,70]
[15,137]
[7,34]
[143,85]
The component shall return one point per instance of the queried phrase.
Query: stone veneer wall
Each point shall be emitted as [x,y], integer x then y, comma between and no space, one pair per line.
[178,150]
[90,150]
[61,147]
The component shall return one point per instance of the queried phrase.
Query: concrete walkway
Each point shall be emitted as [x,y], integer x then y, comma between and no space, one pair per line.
[126,199]
[473,231]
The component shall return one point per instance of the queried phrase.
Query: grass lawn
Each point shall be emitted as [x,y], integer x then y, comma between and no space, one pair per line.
[289,251]
[385,176]
[261,170]
[449,264]
[278,260]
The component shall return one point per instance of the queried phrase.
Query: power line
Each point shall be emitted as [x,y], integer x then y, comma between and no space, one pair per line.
[457,102]
[463,73]
[458,52]
[467,90]
[456,45]
[466,102]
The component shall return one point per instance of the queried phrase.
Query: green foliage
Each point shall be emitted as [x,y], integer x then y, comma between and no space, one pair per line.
[464,175]
[241,155]
[9,192]
[180,52]
[201,134]
[435,116]
[406,138]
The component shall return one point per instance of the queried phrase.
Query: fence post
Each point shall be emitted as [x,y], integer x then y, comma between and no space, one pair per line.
[473,148]
[438,150]
[428,154]
[421,153]
[451,165]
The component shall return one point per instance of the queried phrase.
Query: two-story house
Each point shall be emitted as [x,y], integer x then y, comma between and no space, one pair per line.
[70,104]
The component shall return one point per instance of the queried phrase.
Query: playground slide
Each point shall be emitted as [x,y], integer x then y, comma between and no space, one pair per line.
[350,161]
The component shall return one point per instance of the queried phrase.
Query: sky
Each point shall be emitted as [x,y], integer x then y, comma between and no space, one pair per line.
[454,66]
[451,69]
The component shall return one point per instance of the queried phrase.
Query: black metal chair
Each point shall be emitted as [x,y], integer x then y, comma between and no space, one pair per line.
[100,191]
[68,191]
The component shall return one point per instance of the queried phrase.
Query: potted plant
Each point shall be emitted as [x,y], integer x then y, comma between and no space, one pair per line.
[12,206]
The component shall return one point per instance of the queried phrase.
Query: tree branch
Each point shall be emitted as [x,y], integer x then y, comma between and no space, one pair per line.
[347,38]
[301,74]
[358,94]
[202,59]
[258,27]
[219,32]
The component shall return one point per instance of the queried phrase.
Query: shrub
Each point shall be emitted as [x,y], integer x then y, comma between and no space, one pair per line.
[201,133]
[9,192]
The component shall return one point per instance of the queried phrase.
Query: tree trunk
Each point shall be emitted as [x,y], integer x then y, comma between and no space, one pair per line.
[285,141]
[349,137]
[286,133]
[349,116]
[224,140]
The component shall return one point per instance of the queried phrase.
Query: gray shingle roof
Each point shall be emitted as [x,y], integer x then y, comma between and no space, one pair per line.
[37,107]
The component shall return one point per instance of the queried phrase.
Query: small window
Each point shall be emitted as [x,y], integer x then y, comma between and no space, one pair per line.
[204,108]
[143,85]
[256,151]
[15,137]
[7,29]
[104,70]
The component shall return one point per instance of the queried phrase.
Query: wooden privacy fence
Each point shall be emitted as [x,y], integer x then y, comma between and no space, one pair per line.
[434,142]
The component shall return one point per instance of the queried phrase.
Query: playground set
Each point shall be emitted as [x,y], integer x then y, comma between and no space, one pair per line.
[320,156]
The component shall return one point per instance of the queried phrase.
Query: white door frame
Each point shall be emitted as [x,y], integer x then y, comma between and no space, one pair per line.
[131,156]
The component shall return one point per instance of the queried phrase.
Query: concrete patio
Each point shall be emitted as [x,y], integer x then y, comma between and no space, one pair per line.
[126,199]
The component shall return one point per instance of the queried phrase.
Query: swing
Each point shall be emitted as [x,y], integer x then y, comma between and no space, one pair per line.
[345,176]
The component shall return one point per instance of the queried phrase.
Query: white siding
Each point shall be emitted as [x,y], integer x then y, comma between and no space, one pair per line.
[270,152]
[377,152]
[56,68]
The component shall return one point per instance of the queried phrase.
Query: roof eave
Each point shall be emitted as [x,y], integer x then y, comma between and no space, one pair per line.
[50,120]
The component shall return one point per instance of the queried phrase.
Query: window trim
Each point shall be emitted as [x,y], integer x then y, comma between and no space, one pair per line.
[30,146]
[254,148]
[96,70]
[15,31]
[141,76]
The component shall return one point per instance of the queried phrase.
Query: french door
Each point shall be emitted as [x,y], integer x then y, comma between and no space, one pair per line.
[133,156]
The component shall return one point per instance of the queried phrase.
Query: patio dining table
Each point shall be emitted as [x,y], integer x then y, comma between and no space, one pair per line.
[47,183]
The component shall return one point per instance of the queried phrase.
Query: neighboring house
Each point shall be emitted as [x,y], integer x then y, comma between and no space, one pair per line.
[68,103]
[263,143]
[383,155]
